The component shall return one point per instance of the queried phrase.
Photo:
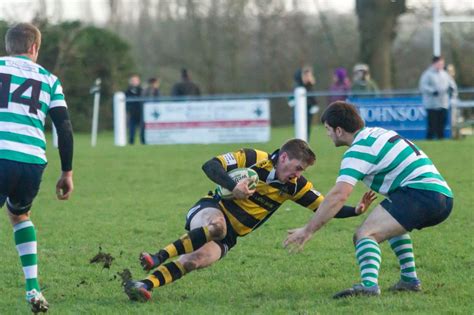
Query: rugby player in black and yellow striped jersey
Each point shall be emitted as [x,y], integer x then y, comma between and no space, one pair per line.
[214,224]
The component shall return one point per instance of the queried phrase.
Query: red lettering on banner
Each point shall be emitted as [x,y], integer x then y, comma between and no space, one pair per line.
[208,124]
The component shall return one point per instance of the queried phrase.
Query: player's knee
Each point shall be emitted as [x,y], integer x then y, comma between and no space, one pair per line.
[354,238]
[17,216]
[190,265]
[360,234]
[217,229]
[192,261]
[364,233]
[17,209]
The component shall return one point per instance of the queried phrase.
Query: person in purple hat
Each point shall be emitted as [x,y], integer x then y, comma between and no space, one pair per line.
[341,85]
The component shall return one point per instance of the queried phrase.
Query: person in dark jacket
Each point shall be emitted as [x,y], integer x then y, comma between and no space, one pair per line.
[134,109]
[153,88]
[185,87]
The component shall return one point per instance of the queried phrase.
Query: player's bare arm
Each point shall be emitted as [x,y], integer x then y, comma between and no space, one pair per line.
[333,202]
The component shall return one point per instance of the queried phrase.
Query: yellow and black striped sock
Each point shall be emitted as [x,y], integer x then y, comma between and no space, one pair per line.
[187,243]
[165,274]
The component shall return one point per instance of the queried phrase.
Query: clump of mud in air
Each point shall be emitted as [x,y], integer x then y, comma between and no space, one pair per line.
[104,258]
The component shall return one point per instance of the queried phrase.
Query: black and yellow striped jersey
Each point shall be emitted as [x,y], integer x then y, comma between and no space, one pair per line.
[246,215]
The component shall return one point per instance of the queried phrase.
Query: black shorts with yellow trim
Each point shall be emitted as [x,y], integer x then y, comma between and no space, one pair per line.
[230,239]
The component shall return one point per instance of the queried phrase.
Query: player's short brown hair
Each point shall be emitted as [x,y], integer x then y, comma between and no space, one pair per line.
[20,37]
[300,150]
[344,115]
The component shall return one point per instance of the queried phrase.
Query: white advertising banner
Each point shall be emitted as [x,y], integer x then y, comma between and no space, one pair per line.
[212,121]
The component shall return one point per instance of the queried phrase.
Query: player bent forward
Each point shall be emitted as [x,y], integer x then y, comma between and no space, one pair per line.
[417,196]
[214,224]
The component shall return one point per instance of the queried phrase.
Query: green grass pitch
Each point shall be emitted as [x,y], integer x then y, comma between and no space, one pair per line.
[135,198]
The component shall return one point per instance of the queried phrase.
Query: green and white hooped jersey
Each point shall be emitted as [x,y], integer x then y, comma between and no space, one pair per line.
[385,161]
[27,93]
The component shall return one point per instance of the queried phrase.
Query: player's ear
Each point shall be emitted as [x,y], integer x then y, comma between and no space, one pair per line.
[34,50]
[283,157]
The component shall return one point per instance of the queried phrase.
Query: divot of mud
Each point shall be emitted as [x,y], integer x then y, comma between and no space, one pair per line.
[104,258]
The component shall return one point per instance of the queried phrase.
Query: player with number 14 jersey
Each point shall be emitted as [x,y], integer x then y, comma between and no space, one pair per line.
[27,94]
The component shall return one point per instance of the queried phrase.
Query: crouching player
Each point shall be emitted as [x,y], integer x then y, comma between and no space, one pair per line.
[214,223]
[417,197]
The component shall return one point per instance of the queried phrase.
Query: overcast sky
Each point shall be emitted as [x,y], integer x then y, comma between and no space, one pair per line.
[24,10]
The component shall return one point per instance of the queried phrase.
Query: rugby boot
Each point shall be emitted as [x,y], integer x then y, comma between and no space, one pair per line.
[149,261]
[37,301]
[414,286]
[358,289]
[137,291]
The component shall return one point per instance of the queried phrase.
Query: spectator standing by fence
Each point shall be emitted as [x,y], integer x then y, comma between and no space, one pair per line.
[134,109]
[153,88]
[437,88]
[341,85]
[362,82]
[186,87]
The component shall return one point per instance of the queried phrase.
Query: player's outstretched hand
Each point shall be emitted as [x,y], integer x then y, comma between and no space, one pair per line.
[64,186]
[365,202]
[296,239]
[242,190]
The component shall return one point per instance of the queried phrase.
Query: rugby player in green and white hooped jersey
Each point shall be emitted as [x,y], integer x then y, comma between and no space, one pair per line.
[417,196]
[27,94]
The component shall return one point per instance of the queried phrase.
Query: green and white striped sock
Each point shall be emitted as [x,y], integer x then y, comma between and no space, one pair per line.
[402,246]
[369,258]
[25,240]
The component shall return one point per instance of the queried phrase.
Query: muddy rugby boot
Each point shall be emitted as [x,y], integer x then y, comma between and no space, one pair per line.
[358,289]
[414,286]
[149,261]
[137,291]
[37,301]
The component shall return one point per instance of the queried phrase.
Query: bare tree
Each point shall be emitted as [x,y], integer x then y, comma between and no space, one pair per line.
[58,10]
[377,28]
[42,13]
[87,12]
[114,17]
[163,9]
[327,31]
[234,42]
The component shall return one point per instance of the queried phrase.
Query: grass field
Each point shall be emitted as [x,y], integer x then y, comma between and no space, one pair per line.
[135,198]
